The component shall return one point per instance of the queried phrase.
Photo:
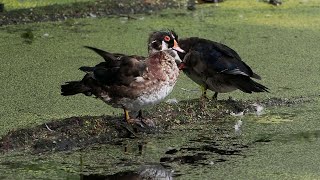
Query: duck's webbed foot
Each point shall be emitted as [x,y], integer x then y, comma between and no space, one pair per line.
[147,122]
[139,121]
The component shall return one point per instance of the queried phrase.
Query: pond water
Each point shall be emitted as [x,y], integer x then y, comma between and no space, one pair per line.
[281,143]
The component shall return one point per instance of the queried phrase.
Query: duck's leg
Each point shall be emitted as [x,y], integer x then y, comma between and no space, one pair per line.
[139,120]
[146,121]
[129,122]
[127,116]
[203,91]
[215,96]
[203,97]
[140,114]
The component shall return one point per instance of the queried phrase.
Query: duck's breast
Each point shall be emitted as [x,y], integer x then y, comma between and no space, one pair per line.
[162,77]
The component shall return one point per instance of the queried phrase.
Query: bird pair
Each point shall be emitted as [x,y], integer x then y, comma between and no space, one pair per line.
[134,82]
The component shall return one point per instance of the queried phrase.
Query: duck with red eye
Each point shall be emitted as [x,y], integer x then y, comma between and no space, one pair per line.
[165,41]
[131,82]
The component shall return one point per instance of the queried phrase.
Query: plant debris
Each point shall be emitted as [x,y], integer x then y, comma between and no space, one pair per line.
[78,132]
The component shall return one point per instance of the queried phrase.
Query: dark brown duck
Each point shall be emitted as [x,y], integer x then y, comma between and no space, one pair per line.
[216,67]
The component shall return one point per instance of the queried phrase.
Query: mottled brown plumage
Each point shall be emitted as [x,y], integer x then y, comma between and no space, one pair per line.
[131,82]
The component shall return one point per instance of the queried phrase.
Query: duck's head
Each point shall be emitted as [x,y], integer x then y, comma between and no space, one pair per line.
[164,40]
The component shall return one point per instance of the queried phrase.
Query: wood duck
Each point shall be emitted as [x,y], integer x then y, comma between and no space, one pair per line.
[216,67]
[131,82]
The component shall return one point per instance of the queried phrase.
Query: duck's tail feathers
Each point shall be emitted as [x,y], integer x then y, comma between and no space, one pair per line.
[106,55]
[248,85]
[256,76]
[87,69]
[74,87]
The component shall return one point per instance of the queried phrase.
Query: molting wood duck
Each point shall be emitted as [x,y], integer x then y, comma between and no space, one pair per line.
[216,67]
[131,82]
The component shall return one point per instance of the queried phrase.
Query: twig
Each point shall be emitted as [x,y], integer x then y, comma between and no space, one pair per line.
[49,128]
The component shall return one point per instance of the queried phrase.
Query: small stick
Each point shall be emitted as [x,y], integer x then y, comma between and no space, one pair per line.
[48,128]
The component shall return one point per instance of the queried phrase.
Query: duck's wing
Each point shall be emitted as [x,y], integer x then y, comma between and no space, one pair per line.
[222,63]
[107,56]
[222,59]
[130,69]
[118,69]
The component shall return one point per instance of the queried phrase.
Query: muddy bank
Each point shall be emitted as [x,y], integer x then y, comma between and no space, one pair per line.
[84,10]
[79,132]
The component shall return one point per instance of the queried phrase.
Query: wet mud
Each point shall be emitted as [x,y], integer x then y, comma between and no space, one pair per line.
[79,132]
[84,10]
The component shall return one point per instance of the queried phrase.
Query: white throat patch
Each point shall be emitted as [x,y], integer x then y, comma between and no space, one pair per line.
[164,46]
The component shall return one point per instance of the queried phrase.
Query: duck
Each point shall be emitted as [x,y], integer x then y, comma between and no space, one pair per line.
[131,82]
[275,2]
[216,67]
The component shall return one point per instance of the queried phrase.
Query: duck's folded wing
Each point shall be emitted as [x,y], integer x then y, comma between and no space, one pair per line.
[118,69]
[123,74]
[225,50]
[107,56]
[223,59]
[232,66]
[219,61]
[130,69]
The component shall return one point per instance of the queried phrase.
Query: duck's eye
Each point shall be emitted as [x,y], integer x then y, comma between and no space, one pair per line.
[166,38]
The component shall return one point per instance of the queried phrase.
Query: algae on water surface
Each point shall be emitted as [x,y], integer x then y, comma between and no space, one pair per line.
[279,43]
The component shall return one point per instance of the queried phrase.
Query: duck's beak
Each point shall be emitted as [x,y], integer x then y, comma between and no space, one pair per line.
[177,48]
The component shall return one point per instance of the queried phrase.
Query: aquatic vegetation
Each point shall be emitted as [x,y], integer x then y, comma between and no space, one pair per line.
[280,43]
